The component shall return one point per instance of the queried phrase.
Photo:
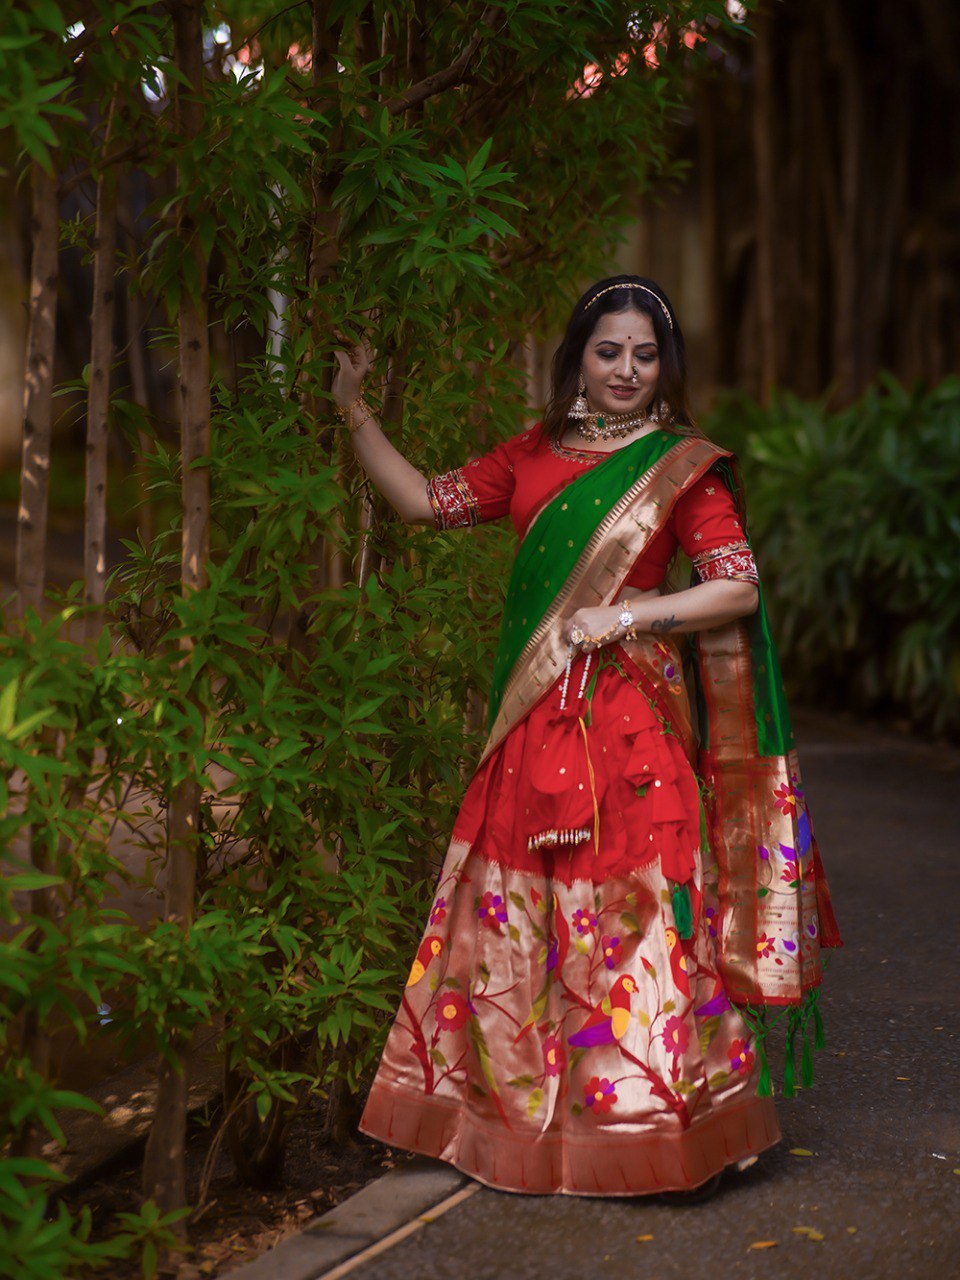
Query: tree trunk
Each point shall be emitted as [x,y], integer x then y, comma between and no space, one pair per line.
[764,150]
[710,222]
[38,392]
[31,544]
[134,321]
[808,331]
[164,1173]
[841,42]
[98,393]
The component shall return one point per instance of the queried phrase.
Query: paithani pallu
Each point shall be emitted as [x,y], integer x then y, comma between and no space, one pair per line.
[589,1019]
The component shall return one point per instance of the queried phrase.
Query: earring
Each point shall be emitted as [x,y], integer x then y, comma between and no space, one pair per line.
[580,408]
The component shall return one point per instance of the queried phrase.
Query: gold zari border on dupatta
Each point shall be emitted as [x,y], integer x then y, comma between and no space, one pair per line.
[614,547]
[765,901]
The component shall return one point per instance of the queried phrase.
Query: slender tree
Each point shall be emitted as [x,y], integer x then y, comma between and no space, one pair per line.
[98,393]
[38,388]
[164,1173]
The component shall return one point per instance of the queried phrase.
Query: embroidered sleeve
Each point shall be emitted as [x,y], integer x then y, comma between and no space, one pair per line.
[732,561]
[709,529]
[478,491]
[454,502]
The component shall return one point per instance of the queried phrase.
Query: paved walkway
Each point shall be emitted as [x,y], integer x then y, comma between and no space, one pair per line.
[882,1185]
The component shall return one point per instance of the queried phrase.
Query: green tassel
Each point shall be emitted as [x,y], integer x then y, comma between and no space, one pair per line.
[819,1039]
[789,1076]
[764,1087]
[798,1016]
[806,1063]
[756,1020]
[682,910]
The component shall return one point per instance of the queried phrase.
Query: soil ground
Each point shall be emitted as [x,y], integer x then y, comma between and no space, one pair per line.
[237,1224]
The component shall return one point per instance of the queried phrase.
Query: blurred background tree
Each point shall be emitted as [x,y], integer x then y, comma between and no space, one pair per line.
[236,693]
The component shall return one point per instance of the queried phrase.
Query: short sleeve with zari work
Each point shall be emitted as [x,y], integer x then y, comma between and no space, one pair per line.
[478,491]
[709,530]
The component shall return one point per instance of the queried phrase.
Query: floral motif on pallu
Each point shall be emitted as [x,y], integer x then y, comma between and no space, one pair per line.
[453,501]
[778,871]
[735,560]
[574,1044]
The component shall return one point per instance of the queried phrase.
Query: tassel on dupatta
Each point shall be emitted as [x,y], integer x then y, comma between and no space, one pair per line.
[798,1016]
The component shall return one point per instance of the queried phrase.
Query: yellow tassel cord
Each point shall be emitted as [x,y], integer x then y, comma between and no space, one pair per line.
[593,790]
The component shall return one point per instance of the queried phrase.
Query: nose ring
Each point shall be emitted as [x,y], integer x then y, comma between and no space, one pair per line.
[634,376]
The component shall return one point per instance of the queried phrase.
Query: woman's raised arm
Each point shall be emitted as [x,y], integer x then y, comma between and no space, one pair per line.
[403,486]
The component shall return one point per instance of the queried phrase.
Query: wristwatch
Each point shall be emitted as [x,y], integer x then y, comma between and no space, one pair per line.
[626,617]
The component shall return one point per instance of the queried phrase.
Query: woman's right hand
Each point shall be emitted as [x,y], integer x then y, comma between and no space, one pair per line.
[355,364]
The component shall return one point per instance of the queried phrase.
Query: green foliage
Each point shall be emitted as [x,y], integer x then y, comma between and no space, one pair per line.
[856,523]
[316,688]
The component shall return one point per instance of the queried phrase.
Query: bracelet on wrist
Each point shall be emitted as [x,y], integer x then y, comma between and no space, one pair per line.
[624,620]
[347,413]
[627,621]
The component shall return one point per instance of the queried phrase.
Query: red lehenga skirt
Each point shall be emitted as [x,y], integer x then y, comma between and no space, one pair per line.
[556,1034]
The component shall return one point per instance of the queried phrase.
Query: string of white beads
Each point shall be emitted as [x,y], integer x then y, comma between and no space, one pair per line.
[586,672]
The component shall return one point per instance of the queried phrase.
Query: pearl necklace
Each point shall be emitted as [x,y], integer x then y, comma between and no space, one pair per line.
[611,426]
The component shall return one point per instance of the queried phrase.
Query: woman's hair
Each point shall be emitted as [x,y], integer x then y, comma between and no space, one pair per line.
[615,294]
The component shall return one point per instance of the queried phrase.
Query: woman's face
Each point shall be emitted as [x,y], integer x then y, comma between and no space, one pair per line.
[621,363]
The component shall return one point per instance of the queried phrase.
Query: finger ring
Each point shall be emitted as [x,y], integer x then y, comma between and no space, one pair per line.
[577,636]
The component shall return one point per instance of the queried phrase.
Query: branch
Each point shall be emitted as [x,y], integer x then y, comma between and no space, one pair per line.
[93,23]
[239,43]
[134,151]
[451,76]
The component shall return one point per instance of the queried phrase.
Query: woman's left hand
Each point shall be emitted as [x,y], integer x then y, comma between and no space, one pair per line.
[591,622]
[597,622]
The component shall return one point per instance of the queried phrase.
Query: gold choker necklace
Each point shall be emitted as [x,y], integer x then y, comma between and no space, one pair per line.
[611,426]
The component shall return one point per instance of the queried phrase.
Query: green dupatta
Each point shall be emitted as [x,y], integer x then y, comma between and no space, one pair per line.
[555,542]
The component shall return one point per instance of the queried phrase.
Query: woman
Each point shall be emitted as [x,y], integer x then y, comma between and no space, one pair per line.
[614,888]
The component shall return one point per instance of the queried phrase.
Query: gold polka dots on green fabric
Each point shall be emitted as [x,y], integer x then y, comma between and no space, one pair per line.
[561,532]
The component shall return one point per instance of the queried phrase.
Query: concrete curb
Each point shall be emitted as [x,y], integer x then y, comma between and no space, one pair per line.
[367,1216]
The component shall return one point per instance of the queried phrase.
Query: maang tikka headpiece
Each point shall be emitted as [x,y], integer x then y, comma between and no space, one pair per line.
[630,285]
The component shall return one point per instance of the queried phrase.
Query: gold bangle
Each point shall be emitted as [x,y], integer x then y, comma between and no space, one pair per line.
[345,414]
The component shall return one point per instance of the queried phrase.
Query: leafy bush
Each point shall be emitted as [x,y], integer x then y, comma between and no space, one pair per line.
[358,172]
[856,521]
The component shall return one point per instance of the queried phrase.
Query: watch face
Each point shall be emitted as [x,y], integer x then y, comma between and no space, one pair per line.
[626,618]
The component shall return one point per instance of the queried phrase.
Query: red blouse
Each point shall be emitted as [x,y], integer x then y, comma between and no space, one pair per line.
[521,474]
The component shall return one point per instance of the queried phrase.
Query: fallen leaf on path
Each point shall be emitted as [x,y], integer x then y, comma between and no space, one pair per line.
[851,1231]
[643,1239]
[810,1232]
[800,1151]
[764,1244]
[903,1077]
[957,1171]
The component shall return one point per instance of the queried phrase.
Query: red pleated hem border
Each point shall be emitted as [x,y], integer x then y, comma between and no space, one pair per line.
[673,1159]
